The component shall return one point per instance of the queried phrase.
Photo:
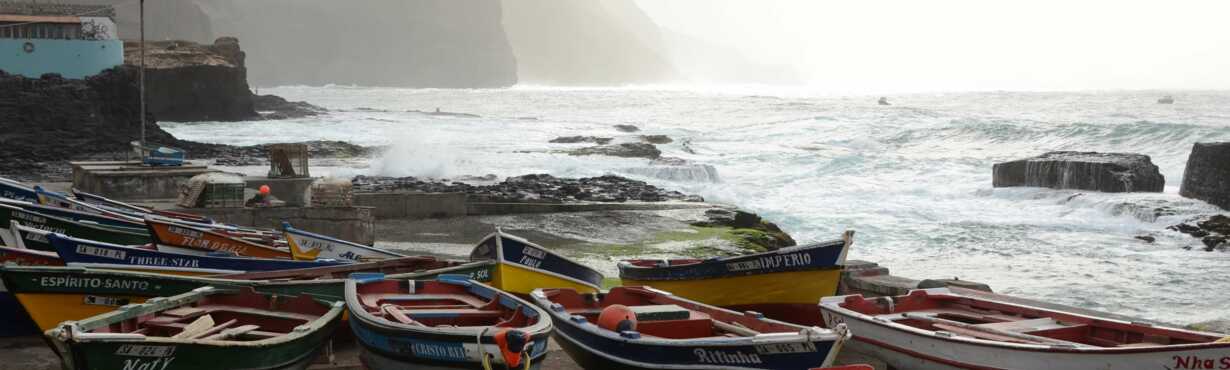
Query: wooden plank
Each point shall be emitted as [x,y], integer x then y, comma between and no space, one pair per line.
[200,325]
[215,329]
[231,333]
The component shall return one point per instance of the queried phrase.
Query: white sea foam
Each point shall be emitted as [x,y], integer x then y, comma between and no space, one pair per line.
[914,179]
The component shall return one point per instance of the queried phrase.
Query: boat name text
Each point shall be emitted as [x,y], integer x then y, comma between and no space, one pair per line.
[1198,363]
[184,232]
[532,257]
[144,364]
[138,350]
[722,357]
[76,282]
[771,262]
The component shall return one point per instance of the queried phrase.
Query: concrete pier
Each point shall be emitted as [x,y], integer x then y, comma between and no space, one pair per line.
[129,180]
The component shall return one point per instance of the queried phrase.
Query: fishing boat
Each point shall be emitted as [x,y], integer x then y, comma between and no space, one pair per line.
[784,284]
[207,328]
[21,222]
[66,213]
[58,294]
[17,322]
[649,329]
[60,200]
[17,191]
[448,323]
[309,246]
[181,237]
[524,266]
[88,253]
[135,210]
[979,330]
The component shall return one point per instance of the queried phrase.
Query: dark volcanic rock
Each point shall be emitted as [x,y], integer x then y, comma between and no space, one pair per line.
[1213,231]
[53,119]
[627,150]
[656,139]
[1106,172]
[627,128]
[581,139]
[1207,176]
[533,188]
[750,227]
[186,81]
[279,108]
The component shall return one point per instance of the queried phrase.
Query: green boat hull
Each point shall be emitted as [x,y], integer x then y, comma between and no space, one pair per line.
[34,220]
[294,355]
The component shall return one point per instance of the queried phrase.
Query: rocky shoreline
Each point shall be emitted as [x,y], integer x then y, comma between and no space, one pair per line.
[538,188]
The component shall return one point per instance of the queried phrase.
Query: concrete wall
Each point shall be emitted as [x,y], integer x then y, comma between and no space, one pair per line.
[130,181]
[413,205]
[69,58]
[355,224]
[488,208]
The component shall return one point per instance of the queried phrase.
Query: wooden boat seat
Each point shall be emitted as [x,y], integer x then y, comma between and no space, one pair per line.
[451,313]
[1039,324]
[394,313]
[252,333]
[377,300]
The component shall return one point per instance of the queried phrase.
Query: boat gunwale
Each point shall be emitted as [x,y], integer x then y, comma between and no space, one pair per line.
[832,304]
[631,271]
[287,228]
[815,334]
[543,325]
[77,334]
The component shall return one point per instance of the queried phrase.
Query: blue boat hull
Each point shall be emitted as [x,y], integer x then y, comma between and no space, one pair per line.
[17,322]
[94,254]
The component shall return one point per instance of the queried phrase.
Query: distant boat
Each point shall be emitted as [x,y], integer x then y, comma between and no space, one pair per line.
[207,328]
[1166,100]
[883,101]
[979,330]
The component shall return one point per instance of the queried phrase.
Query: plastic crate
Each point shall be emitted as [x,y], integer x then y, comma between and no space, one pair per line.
[222,196]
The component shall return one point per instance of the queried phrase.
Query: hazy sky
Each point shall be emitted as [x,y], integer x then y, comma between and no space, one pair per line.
[889,45]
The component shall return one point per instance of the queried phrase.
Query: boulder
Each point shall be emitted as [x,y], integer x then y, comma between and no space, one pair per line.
[626,150]
[1207,176]
[656,139]
[627,128]
[1106,172]
[276,107]
[581,139]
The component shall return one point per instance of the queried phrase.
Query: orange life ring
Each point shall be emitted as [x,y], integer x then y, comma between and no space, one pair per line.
[28,47]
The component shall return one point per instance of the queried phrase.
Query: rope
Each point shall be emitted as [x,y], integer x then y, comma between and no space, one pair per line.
[486,356]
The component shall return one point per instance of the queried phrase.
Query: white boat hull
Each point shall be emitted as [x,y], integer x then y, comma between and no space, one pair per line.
[319,247]
[925,350]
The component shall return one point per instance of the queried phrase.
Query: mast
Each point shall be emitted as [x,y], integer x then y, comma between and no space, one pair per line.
[142,76]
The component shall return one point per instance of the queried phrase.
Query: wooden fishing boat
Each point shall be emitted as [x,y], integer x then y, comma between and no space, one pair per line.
[448,323]
[22,222]
[66,213]
[208,328]
[979,330]
[309,246]
[784,284]
[58,294]
[59,200]
[525,266]
[181,237]
[17,322]
[645,328]
[88,253]
[15,190]
[135,210]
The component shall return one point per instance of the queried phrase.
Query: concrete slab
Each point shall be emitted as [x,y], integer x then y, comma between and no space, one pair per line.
[131,180]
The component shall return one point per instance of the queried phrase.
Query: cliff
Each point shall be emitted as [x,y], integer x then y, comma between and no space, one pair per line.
[595,42]
[415,43]
[1207,176]
[186,81]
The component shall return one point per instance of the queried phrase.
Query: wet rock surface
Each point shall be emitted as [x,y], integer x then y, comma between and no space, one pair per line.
[626,150]
[1105,172]
[275,107]
[627,128]
[757,234]
[1207,176]
[532,188]
[676,169]
[1213,232]
[657,139]
[581,139]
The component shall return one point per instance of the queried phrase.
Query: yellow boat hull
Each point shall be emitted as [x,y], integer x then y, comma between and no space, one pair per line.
[792,296]
[49,310]
[521,281]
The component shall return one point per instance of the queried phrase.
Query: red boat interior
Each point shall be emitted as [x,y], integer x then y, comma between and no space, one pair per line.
[437,304]
[996,321]
[245,316]
[655,314]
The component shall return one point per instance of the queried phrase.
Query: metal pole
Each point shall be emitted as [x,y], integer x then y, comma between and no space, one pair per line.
[142,75]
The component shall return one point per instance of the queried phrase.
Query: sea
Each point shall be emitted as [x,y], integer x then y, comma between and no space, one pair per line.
[913,179]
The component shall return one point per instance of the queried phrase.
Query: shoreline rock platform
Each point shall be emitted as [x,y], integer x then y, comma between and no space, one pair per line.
[1105,172]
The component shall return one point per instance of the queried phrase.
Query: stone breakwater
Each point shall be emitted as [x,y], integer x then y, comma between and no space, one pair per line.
[532,188]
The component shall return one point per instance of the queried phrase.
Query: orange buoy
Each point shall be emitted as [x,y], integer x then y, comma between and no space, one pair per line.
[512,344]
[264,189]
[617,318]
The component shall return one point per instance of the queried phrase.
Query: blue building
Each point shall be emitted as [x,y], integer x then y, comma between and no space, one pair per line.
[75,41]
